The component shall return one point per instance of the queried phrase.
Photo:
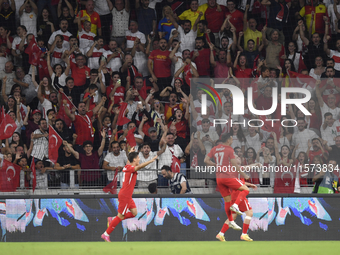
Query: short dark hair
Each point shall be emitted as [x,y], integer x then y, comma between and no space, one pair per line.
[42,119]
[87,143]
[132,156]
[68,79]
[50,110]
[153,186]
[330,59]
[327,114]
[114,142]
[93,86]
[205,121]
[146,144]
[225,137]
[166,168]
[199,39]
[300,118]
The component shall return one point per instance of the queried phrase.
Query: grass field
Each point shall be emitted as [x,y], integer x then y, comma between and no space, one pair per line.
[163,248]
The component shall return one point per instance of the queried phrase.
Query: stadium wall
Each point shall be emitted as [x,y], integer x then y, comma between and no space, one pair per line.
[166,218]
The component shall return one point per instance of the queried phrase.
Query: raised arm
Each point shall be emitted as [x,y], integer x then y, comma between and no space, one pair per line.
[212,56]
[141,166]
[245,18]
[102,144]
[67,111]
[75,153]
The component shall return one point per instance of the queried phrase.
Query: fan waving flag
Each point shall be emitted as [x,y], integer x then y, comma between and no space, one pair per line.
[122,120]
[61,114]
[175,164]
[7,127]
[34,173]
[130,138]
[54,142]
[9,176]
[299,80]
[187,74]
[284,180]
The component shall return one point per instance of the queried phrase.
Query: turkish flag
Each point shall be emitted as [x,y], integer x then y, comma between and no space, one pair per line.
[54,142]
[22,112]
[187,74]
[7,127]
[34,172]
[175,164]
[299,80]
[284,180]
[302,65]
[43,69]
[61,114]
[9,176]
[122,120]
[33,52]
[112,186]
[130,138]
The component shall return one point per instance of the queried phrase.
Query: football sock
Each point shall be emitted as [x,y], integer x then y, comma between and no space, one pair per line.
[128,216]
[245,228]
[241,196]
[113,224]
[227,210]
[224,229]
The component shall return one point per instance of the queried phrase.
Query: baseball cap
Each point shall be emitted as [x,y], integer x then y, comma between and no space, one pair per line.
[152,129]
[36,111]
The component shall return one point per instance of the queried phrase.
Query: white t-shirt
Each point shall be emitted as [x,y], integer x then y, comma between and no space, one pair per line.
[253,142]
[56,56]
[335,112]
[330,133]
[302,138]
[131,37]
[143,174]
[93,61]
[101,7]
[165,159]
[213,136]
[29,20]
[115,63]
[141,62]
[85,39]
[187,40]
[115,161]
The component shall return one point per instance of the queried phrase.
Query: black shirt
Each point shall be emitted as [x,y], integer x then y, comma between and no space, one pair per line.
[154,145]
[63,160]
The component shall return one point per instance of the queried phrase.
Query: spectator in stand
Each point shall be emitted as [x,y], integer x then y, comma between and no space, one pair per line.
[330,106]
[201,57]
[5,40]
[86,37]
[221,67]
[146,17]
[83,122]
[45,27]
[67,12]
[64,132]
[250,31]
[274,49]
[330,62]
[128,69]
[236,16]
[95,52]
[326,178]
[114,56]
[79,73]
[132,35]
[177,181]
[114,161]
[165,26]
[315,148]
[318,69]
[329,129]
[334,150]
[102,7]
[302,136]
[92,16]
[7,15]
[152,139]
[193,13]
[63,24]
[208,135]
[28,13]
[215,15]
[148,174]
[140,56]
[316,17]
[204,32]
[159,65]
[66,162]
[57,50]
[40,141]
[89,160]
[18,41]
[10,76]
[195,150]
[120,20]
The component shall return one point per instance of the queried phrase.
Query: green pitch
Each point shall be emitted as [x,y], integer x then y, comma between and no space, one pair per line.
[171,248]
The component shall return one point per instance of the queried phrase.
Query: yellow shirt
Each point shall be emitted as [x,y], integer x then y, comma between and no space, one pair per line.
[250,34]
[192,16]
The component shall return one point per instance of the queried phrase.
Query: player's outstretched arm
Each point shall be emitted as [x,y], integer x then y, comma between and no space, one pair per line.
[145,164]
[251,185]
[208,161]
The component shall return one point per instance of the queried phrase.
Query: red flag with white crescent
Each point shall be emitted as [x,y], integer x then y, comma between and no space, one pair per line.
[175,165]
[34,173]
[7,127]
[284,180]
[130,138]
[9,176]
[61,114]
[122,120]
[54,142]
[112,186]
[187,74]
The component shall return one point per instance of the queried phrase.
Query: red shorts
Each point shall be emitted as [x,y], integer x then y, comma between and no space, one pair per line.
[226,185]
[243,206]
[125,203]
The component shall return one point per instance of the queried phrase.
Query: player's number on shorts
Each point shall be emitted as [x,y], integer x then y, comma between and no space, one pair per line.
[219,158]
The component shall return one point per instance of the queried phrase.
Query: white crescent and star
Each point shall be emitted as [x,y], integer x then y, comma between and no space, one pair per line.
[56,140]
[7,127]
[11,168]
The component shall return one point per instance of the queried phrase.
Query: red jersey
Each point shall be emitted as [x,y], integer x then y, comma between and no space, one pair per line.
[312,154]
[119,94]
[78,74]
[215,18]
[129,181]
[92,103]
[222,154]
[181,127]
[202,62]
[236,19]
[161,63]
[84,128]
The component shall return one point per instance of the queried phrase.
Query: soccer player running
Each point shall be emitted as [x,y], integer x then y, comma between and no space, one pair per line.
[244,206]
[125,194]
[227,171]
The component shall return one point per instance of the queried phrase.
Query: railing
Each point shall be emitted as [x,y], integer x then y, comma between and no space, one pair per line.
[92,181]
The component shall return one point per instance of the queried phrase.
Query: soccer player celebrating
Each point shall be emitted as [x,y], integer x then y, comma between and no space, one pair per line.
[226,175]
[244,207]
[125,194]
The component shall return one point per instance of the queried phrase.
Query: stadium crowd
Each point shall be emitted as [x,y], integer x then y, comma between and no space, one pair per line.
[107,74]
